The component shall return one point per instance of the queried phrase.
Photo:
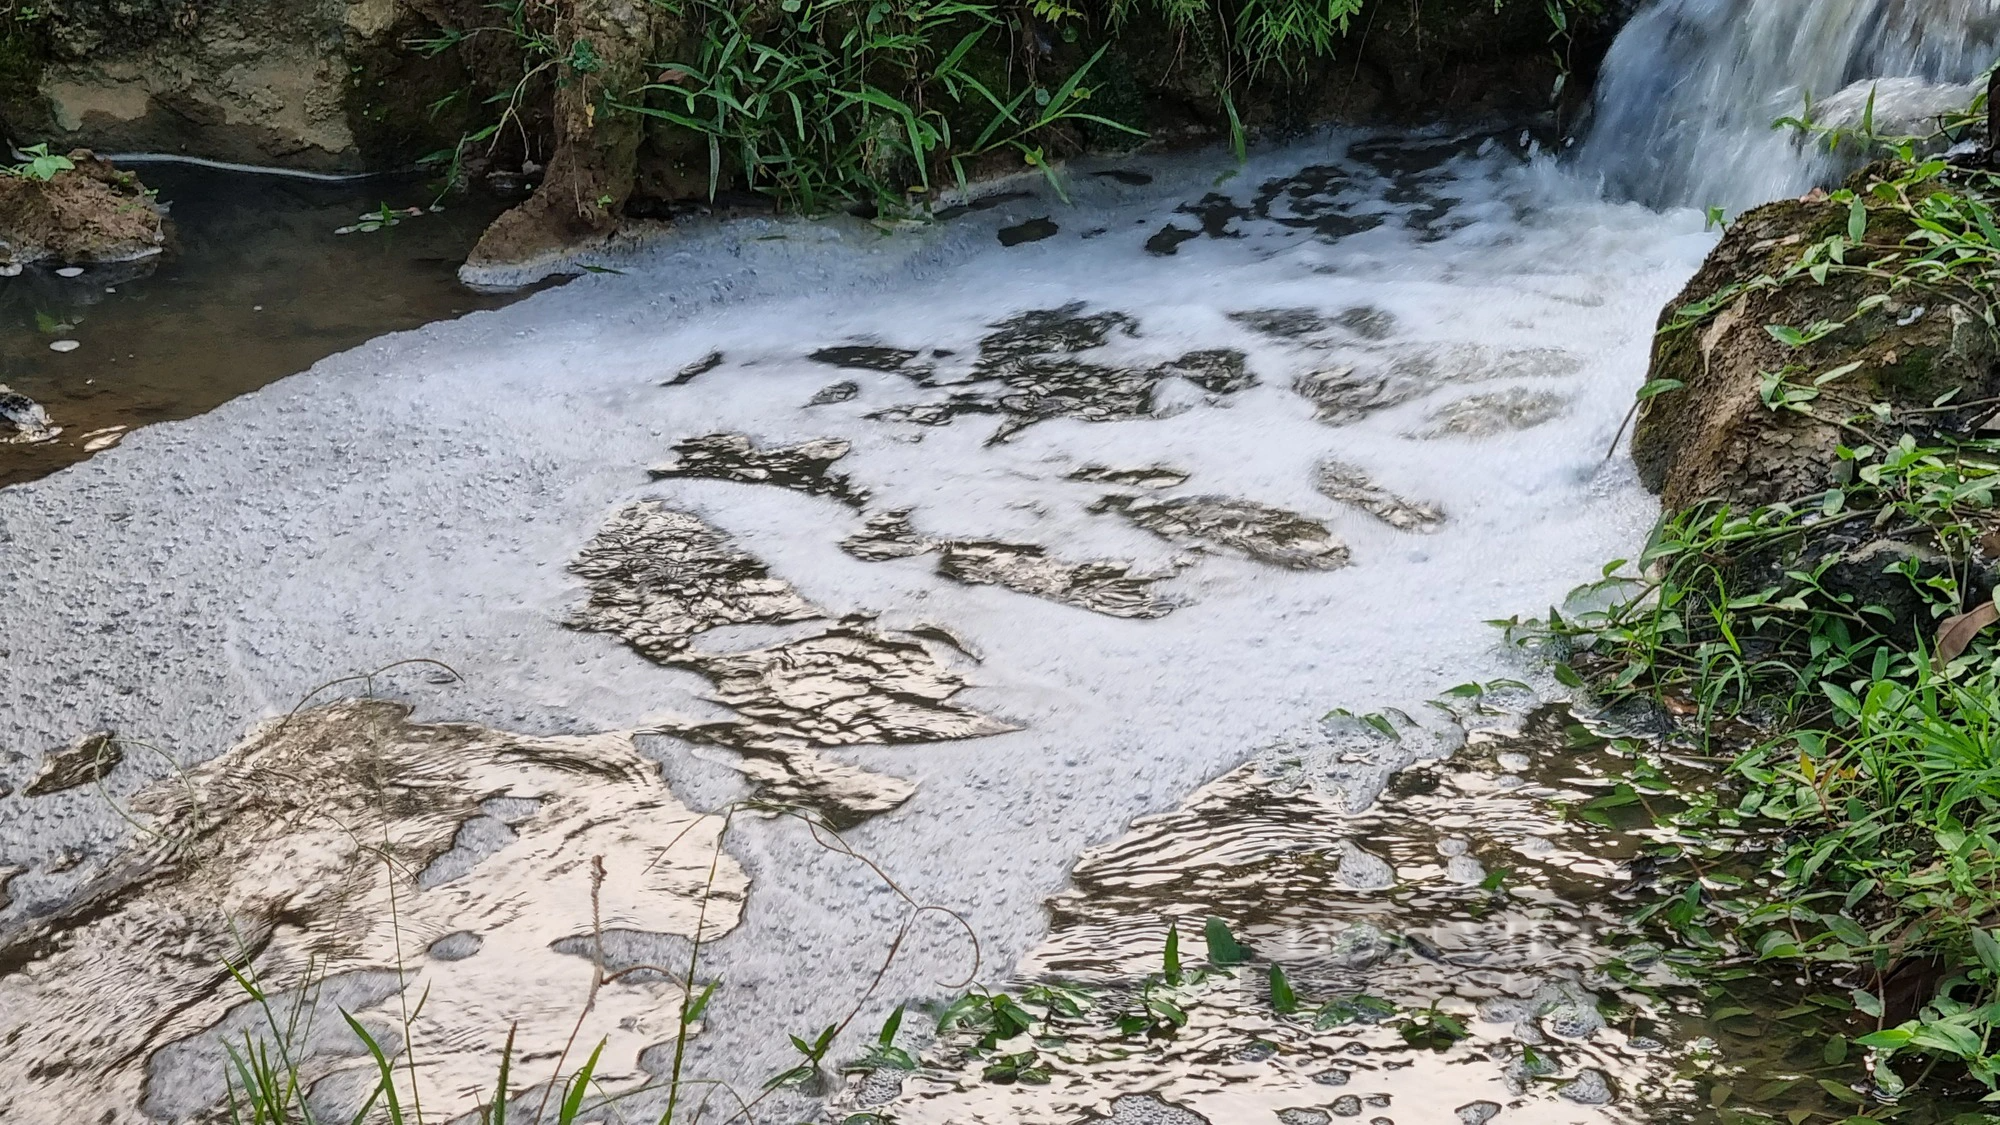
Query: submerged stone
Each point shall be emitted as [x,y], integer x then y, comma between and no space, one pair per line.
[806,467]
[1266,534]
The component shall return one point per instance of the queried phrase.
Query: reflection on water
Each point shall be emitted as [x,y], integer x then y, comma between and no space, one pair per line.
[255,286]
[1470,898]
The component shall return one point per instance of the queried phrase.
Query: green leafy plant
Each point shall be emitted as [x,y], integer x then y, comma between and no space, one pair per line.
[41,164]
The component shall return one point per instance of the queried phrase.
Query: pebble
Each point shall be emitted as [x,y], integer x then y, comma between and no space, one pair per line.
[64,346]
[1347,1105]
[1478,1113]
[70,271]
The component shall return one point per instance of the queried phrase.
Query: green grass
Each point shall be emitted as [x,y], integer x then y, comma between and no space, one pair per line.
[1828,806]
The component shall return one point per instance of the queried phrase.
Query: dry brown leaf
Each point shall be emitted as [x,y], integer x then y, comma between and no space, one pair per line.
[1955,633]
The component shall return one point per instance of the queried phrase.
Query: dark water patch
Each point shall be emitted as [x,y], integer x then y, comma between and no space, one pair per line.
[1149,476]
[1039,333]
[1032,366]
[695,370]
[872,357]
[1219,371]
[835,393]
[86,761]
[983,203]
[1125,176]
[1364,322]
[1106,586]
[660,578]
[1349,484]
[1217,214]
[1266,534]
[255,286]
[1517,408]
[1167,240]
[1377,379]
[806,467]
[1034,230]
[281,858]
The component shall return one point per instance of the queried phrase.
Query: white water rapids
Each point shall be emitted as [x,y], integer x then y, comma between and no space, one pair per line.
[1122,504]
[1685,110]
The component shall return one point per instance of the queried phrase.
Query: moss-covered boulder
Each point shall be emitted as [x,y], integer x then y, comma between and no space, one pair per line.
[1778,367]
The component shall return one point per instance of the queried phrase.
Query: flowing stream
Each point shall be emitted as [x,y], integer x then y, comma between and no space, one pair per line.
[1685,109]
[979,540]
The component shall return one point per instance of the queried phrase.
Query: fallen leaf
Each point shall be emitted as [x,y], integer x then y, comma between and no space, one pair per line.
[1955,633]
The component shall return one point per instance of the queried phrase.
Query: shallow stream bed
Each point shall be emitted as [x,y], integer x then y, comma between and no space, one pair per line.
[254,285]
[979,546]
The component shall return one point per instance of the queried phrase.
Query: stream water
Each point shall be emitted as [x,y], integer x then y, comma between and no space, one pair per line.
[1054,530]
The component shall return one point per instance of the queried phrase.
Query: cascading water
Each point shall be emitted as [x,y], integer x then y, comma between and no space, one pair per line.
[1690,91]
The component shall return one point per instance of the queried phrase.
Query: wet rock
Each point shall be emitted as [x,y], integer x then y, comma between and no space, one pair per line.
[285,851]
[30,423]
[1518,408]
[86,761]
[1589,1087]
[1267,534]
[1715,438]
[835,392]
[806,467]
[91,213]
[1150,476]
[1349,484]
[1106,586]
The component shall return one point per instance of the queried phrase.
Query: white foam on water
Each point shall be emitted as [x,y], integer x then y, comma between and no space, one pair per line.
[424,495]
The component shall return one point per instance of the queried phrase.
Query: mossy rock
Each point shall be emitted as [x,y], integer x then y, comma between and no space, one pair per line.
[1716,438]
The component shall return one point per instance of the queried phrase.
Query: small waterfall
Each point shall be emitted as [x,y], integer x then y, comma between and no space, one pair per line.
[1689,92]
